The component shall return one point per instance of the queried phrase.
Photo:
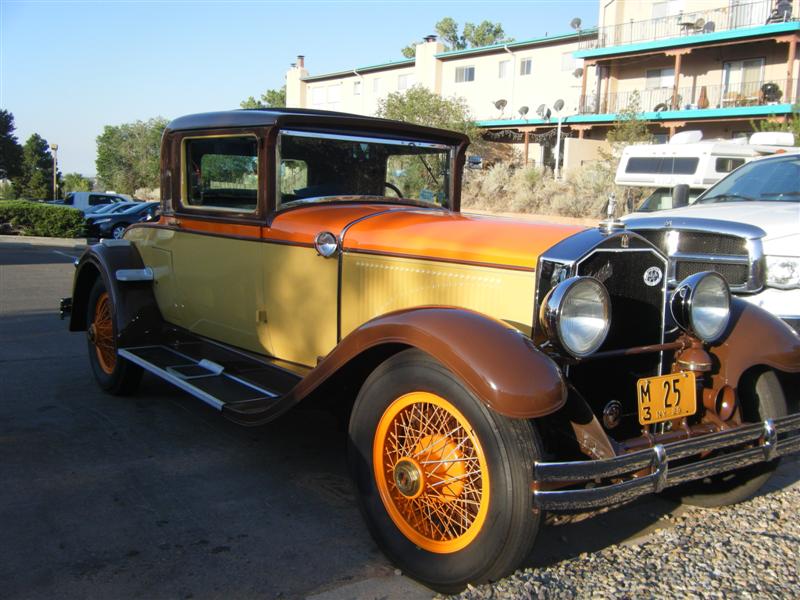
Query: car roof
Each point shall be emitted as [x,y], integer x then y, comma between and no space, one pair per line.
[299,117]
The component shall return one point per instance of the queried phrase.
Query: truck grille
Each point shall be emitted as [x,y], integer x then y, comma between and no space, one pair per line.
[694,251]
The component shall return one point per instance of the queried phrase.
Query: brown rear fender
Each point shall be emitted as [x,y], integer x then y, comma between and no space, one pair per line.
[756,338]
[501,366]
[136,313]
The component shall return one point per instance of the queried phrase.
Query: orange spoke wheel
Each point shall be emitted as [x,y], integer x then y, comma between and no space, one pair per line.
[431,472]
[101,332]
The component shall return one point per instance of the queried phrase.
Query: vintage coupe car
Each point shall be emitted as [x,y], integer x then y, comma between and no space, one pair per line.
[491,369]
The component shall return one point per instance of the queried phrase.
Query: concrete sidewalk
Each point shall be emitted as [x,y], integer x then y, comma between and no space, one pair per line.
[19,241]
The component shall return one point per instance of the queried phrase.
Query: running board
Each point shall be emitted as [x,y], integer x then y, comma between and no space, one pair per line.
[213,382]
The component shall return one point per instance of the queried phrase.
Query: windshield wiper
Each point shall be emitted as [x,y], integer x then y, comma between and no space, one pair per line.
[780,193]
[725,198]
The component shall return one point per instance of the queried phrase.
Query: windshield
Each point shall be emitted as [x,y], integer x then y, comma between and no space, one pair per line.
[316,167]
[771,180]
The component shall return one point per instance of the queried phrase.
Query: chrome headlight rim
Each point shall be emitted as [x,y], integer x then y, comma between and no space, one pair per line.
[683,305]
[552,308]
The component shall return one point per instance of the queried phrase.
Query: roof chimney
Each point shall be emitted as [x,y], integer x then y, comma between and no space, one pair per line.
[301,61]
[430,38]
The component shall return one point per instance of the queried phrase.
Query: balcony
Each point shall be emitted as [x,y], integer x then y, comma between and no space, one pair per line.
[736,16]
[695,97]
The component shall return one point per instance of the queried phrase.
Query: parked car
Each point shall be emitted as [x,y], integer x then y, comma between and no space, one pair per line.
[84,201]
[747,228]
[113,223]
[101,209]
[689,159]
[491,369]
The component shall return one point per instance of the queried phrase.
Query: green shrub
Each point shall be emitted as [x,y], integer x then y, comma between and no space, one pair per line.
[47,220]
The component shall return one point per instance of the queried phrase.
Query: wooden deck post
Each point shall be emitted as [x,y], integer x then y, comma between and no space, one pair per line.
[790,70]
[526,147]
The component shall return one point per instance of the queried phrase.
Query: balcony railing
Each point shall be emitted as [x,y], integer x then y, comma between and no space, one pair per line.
[756,93]
[734,16]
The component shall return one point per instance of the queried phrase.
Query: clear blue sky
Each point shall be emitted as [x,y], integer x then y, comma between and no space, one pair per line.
[67,68]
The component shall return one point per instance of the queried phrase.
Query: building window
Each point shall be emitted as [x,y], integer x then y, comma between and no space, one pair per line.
[660,78]
[465,74]
[334,95]
[317,96]
[503,69]
[356,88]
[741,80]
[404,82]
[376,86]
[526,66]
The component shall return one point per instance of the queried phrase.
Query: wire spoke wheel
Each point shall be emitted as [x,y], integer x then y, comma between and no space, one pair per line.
[102,334]
[431,472]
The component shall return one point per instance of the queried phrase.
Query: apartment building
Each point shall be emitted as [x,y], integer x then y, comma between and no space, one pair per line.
[714,65]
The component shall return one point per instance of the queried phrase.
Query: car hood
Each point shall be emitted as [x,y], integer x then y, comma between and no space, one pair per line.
[455,237]
[777,219]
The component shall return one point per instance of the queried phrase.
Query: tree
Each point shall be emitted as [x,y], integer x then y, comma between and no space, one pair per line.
[128,155]
[421,106]
[629,127]
[10,150]
[35,180]
[486,33]
[75,182]
[269,99]
[791,124]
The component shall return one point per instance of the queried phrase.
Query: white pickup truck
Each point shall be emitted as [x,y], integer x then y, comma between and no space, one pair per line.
[86,201]
[746,227]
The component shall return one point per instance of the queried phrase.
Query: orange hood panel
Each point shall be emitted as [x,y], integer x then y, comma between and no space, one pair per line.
[456,237]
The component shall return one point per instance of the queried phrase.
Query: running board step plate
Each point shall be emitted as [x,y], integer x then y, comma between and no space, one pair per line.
[204,379]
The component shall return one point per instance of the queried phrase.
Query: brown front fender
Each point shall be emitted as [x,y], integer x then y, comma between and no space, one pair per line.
[756,338]
[499,364]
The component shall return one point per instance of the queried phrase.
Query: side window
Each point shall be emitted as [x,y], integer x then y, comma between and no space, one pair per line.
[221,174]
[70,199]
[95,199]
[293,176]
[726,165]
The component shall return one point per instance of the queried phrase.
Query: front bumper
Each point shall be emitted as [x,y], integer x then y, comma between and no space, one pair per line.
[785,304]
[762,442]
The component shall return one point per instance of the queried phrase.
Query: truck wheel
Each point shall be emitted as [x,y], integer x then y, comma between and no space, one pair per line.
[762,398]
[113,373]
[444,482]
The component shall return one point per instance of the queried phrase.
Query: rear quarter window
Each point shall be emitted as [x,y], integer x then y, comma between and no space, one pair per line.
[221,174]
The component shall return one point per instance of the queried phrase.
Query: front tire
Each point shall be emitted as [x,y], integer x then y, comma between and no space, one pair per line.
[113,373]
[762,398]
[443,481]
[118,232]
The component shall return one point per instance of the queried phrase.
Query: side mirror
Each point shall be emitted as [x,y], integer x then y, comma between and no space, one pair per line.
[680,195]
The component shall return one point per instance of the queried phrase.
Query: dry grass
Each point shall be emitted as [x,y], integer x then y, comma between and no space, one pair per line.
[505,188]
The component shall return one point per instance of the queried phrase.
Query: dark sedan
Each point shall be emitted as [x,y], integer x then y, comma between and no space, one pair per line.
[113,225]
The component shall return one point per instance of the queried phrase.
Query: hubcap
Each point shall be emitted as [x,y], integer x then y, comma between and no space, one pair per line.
[408,478]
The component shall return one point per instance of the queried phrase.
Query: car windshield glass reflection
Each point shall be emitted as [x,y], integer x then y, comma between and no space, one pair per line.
[775,180]
[320,167]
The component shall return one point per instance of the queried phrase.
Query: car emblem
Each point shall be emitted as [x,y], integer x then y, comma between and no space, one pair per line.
[625,241]
[653,276]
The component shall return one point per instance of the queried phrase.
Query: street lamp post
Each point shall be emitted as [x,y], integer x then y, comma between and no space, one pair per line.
[54,147]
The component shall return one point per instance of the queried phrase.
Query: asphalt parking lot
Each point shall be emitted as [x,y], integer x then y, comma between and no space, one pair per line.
[158,496]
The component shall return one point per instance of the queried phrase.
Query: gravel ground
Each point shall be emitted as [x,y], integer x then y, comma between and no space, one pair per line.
[750,550]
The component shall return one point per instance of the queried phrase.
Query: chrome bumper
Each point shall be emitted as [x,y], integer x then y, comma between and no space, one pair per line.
[772,438]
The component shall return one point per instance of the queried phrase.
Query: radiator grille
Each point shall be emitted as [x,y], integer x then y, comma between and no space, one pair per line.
[710,243]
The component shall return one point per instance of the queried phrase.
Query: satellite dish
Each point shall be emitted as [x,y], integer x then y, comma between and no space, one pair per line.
[578,72]
[540,110]
[523,110]
[575,23]
[500,104]
[559,104]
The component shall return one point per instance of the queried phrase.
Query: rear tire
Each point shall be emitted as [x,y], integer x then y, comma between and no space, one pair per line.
[443,481]
[762,398]
[113,373]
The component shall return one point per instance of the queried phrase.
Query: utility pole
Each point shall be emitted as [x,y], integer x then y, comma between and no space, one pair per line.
[54,147]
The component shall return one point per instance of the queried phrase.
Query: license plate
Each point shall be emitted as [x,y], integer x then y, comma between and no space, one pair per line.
[666,397]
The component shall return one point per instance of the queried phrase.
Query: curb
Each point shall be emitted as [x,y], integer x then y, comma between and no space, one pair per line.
[30,240]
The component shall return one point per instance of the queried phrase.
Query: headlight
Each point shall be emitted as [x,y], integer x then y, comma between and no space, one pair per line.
[701,305]
[576,315]
[783,271]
